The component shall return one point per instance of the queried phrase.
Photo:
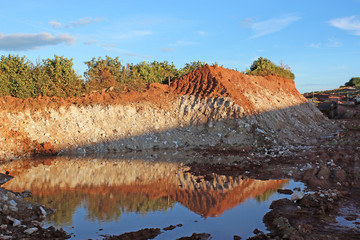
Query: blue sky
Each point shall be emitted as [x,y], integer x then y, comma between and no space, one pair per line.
[318,39]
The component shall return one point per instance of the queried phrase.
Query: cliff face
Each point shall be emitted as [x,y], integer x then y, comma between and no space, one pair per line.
[209,106]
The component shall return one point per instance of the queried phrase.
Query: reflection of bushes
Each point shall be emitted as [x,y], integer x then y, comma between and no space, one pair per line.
[65,204]
[124,203]
[268,193]
[100,206]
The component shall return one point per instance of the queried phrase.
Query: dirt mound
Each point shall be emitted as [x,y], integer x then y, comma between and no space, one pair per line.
[214,81]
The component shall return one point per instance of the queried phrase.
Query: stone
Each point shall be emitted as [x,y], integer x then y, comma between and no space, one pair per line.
[31,230]
[297,196]
[14,220]
[12,203]
[340,176]
[43,212]
[324,173]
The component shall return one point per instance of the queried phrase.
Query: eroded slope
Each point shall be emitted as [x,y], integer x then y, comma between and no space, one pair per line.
[208,107]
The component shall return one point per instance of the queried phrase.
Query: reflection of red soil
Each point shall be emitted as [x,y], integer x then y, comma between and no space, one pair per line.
[207,203]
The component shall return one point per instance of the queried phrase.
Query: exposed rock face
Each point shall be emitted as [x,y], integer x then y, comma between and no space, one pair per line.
[209,106]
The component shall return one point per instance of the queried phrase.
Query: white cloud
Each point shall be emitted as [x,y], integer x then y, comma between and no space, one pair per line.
[351,24]
[84,21]
[134,34]
[181,43]
[90,42]
[202,33]
[73,24]
[135,55]
[55,24]
[109,45]
[269,26]
[315,45]
[333,43]
[167,49]
[26,41]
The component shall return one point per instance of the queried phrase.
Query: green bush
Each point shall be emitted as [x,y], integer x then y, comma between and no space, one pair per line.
[191,66]
[154,71]
[56,77]
[15,77]
[353,82]
[263,67]
[63,81]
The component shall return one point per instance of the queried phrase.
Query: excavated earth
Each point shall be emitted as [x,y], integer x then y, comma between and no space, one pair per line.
[205,108]
[260,127]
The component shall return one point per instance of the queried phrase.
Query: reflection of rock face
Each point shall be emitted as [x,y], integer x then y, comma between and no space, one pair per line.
[110,187]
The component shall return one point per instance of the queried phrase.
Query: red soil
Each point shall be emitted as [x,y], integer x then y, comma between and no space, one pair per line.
[214,81]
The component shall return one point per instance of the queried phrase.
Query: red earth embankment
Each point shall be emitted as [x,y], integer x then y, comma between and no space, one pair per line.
[207,107]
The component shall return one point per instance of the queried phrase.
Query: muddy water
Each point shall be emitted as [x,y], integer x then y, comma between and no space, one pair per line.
[101,195]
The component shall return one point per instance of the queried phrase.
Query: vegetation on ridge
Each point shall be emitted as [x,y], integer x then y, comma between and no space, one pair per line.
[56,77]
[263,67]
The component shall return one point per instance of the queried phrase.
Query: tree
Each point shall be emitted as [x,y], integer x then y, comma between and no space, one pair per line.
[64,82]
[190,67]
[353,82]
[15,77]
[263,67]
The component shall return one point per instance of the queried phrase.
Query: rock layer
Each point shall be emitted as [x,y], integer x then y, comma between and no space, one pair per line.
[207,107]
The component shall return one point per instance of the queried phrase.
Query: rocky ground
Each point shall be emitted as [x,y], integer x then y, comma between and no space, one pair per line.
[20,219]
[329,167]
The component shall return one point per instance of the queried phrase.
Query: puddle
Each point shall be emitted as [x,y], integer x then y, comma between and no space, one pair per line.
[96,196]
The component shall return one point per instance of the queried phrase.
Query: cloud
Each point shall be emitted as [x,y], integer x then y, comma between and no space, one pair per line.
[351,24]
[167,49]
[133,34]
[90,42]
[73,24]
[202,33]
[269,26]
[181,43]
[109,45]
[333,43]
[135,55]
[84,21]
[55,24]
[25,41]
[315,45]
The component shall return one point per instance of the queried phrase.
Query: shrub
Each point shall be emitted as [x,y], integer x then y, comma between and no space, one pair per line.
[264,67]
[59,78]
[191,66]
[103,73]
[353,82]
[154,71]
[15,77]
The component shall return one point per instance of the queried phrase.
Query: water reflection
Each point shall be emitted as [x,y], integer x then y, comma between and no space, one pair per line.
[108,188]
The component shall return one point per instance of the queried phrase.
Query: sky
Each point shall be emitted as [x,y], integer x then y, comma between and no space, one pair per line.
[318,39]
